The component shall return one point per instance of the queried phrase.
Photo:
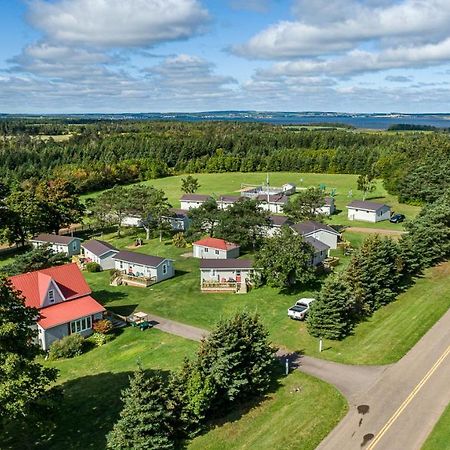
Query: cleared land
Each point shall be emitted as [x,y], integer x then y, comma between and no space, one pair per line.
[383,338]
[439,438]
[230,183]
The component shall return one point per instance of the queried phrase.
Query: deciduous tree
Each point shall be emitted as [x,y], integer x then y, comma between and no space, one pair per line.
[189,185]
[306,204]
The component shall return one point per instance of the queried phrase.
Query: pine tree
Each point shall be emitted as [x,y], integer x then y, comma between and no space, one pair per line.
[144,422]
[329,314]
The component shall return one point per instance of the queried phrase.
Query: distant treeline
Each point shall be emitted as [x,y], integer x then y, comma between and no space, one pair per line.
[416,166]
[411,127]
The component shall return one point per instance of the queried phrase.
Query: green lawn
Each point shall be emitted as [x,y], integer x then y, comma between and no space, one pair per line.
[230,183]
[439,439]
[383,338]
[298,416]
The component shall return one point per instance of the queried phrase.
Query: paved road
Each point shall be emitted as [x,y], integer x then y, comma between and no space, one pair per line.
[177,328]
[382,231]
[392,407]
[397,409]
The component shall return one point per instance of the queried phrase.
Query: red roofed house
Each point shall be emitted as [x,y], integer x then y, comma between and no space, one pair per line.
[213,248]
[63,299]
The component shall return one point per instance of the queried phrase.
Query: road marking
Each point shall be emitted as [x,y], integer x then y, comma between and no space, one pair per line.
[408,399]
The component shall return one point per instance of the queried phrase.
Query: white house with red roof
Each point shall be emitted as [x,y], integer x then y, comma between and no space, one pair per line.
[213,248]
[63,299]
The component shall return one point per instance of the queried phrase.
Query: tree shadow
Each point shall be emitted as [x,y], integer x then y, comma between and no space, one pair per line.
[104,296]
[123,310]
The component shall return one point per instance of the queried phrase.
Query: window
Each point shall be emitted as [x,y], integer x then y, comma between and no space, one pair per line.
[238,272]
[81,325]
[51,296]
[121,264]
[205,250]
[164,269]
[217,252]
[74,245]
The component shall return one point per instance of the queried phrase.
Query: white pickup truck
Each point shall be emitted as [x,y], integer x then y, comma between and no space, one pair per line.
[300,309]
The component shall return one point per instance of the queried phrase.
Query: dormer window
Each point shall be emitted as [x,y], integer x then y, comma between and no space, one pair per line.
[51,296]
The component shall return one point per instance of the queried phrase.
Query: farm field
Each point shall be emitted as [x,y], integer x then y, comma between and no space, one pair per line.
[439,439]
[382,339]
[230,183]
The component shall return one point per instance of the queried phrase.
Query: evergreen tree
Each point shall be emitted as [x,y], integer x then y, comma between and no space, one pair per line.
[204,219]
[328,316]
[25,397]
[285,260]
[144,422]
[189,185]
[112,207]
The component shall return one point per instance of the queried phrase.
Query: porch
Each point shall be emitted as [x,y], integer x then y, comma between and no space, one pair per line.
[132,280]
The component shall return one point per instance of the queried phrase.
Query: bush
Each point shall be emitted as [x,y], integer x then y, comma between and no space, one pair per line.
[67,347]
[93,267]
[98,339]
[102,326]
[179,240]
[113,274]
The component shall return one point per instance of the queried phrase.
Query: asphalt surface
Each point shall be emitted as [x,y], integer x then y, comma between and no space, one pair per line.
[391,407]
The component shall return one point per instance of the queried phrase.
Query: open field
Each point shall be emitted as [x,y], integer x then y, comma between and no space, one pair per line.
[229,183]
[288,419]
[439,439]
[382,339]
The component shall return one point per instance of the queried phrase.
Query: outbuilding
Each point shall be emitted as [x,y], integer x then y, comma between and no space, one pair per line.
[368,211]
[100,252]
[189,201]
[320,231]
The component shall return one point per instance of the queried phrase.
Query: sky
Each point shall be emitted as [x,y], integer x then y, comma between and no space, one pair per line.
[75,56]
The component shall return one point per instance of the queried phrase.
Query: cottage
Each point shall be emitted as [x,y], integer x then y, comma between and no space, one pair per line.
[213,248]
[132,220]
[142,270]
[178,219]
[189,201]
[100,252]
[368,211]
[273,203]
[232,275]
[59,244]
[289,188]
[328,207]
[63,299]
[225,201]
[321,250]
[319,231]
[275,224]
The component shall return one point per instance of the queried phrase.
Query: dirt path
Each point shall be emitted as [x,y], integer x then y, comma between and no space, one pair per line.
[382,231]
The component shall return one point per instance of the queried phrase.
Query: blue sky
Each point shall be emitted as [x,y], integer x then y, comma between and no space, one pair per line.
[197,55]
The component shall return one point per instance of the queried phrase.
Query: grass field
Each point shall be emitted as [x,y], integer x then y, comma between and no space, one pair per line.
[230,183]
[288,419]
[383,338]
[439,439]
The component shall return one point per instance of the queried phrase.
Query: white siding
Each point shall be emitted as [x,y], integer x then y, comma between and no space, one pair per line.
[326,237]
[147,271]
[189,204]
[106,261]
[383,213]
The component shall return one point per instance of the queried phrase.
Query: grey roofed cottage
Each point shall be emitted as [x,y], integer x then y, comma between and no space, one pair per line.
[69,245]
[320,250]
[320,231]
[189,201]
[224,201]
[368,211]
[151,269]
[100,252]
[278,221]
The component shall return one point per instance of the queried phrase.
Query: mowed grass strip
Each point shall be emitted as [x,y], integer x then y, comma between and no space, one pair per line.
[229,183]
[439,439]
[298,416]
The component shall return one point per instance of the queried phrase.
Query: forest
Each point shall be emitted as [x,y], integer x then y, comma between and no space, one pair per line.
[100,154]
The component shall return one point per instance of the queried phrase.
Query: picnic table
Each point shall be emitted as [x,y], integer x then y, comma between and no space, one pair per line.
[140,320]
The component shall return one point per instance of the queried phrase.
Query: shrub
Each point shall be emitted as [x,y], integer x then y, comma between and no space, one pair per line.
[113,274]
[93,267]
[179,240]
[67,347]
[102,326]
[98,339]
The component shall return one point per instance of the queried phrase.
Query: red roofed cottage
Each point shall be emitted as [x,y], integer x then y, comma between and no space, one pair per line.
[63,299]
[213,248]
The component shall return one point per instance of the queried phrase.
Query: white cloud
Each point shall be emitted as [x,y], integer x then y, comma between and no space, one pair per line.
[348,24]
[117,23]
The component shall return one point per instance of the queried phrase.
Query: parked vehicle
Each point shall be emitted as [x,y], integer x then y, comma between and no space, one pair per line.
[397,218]
[300,309]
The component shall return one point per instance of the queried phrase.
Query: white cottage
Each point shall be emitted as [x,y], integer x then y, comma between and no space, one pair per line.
[368,211]
[178,219]
[59,244]
[225,201]
[319,231]
[275,224]
[138,265]
[328,207]
[273,203]
[321,250]
[189,201]
[100,252]
[232,275]
[213,248]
